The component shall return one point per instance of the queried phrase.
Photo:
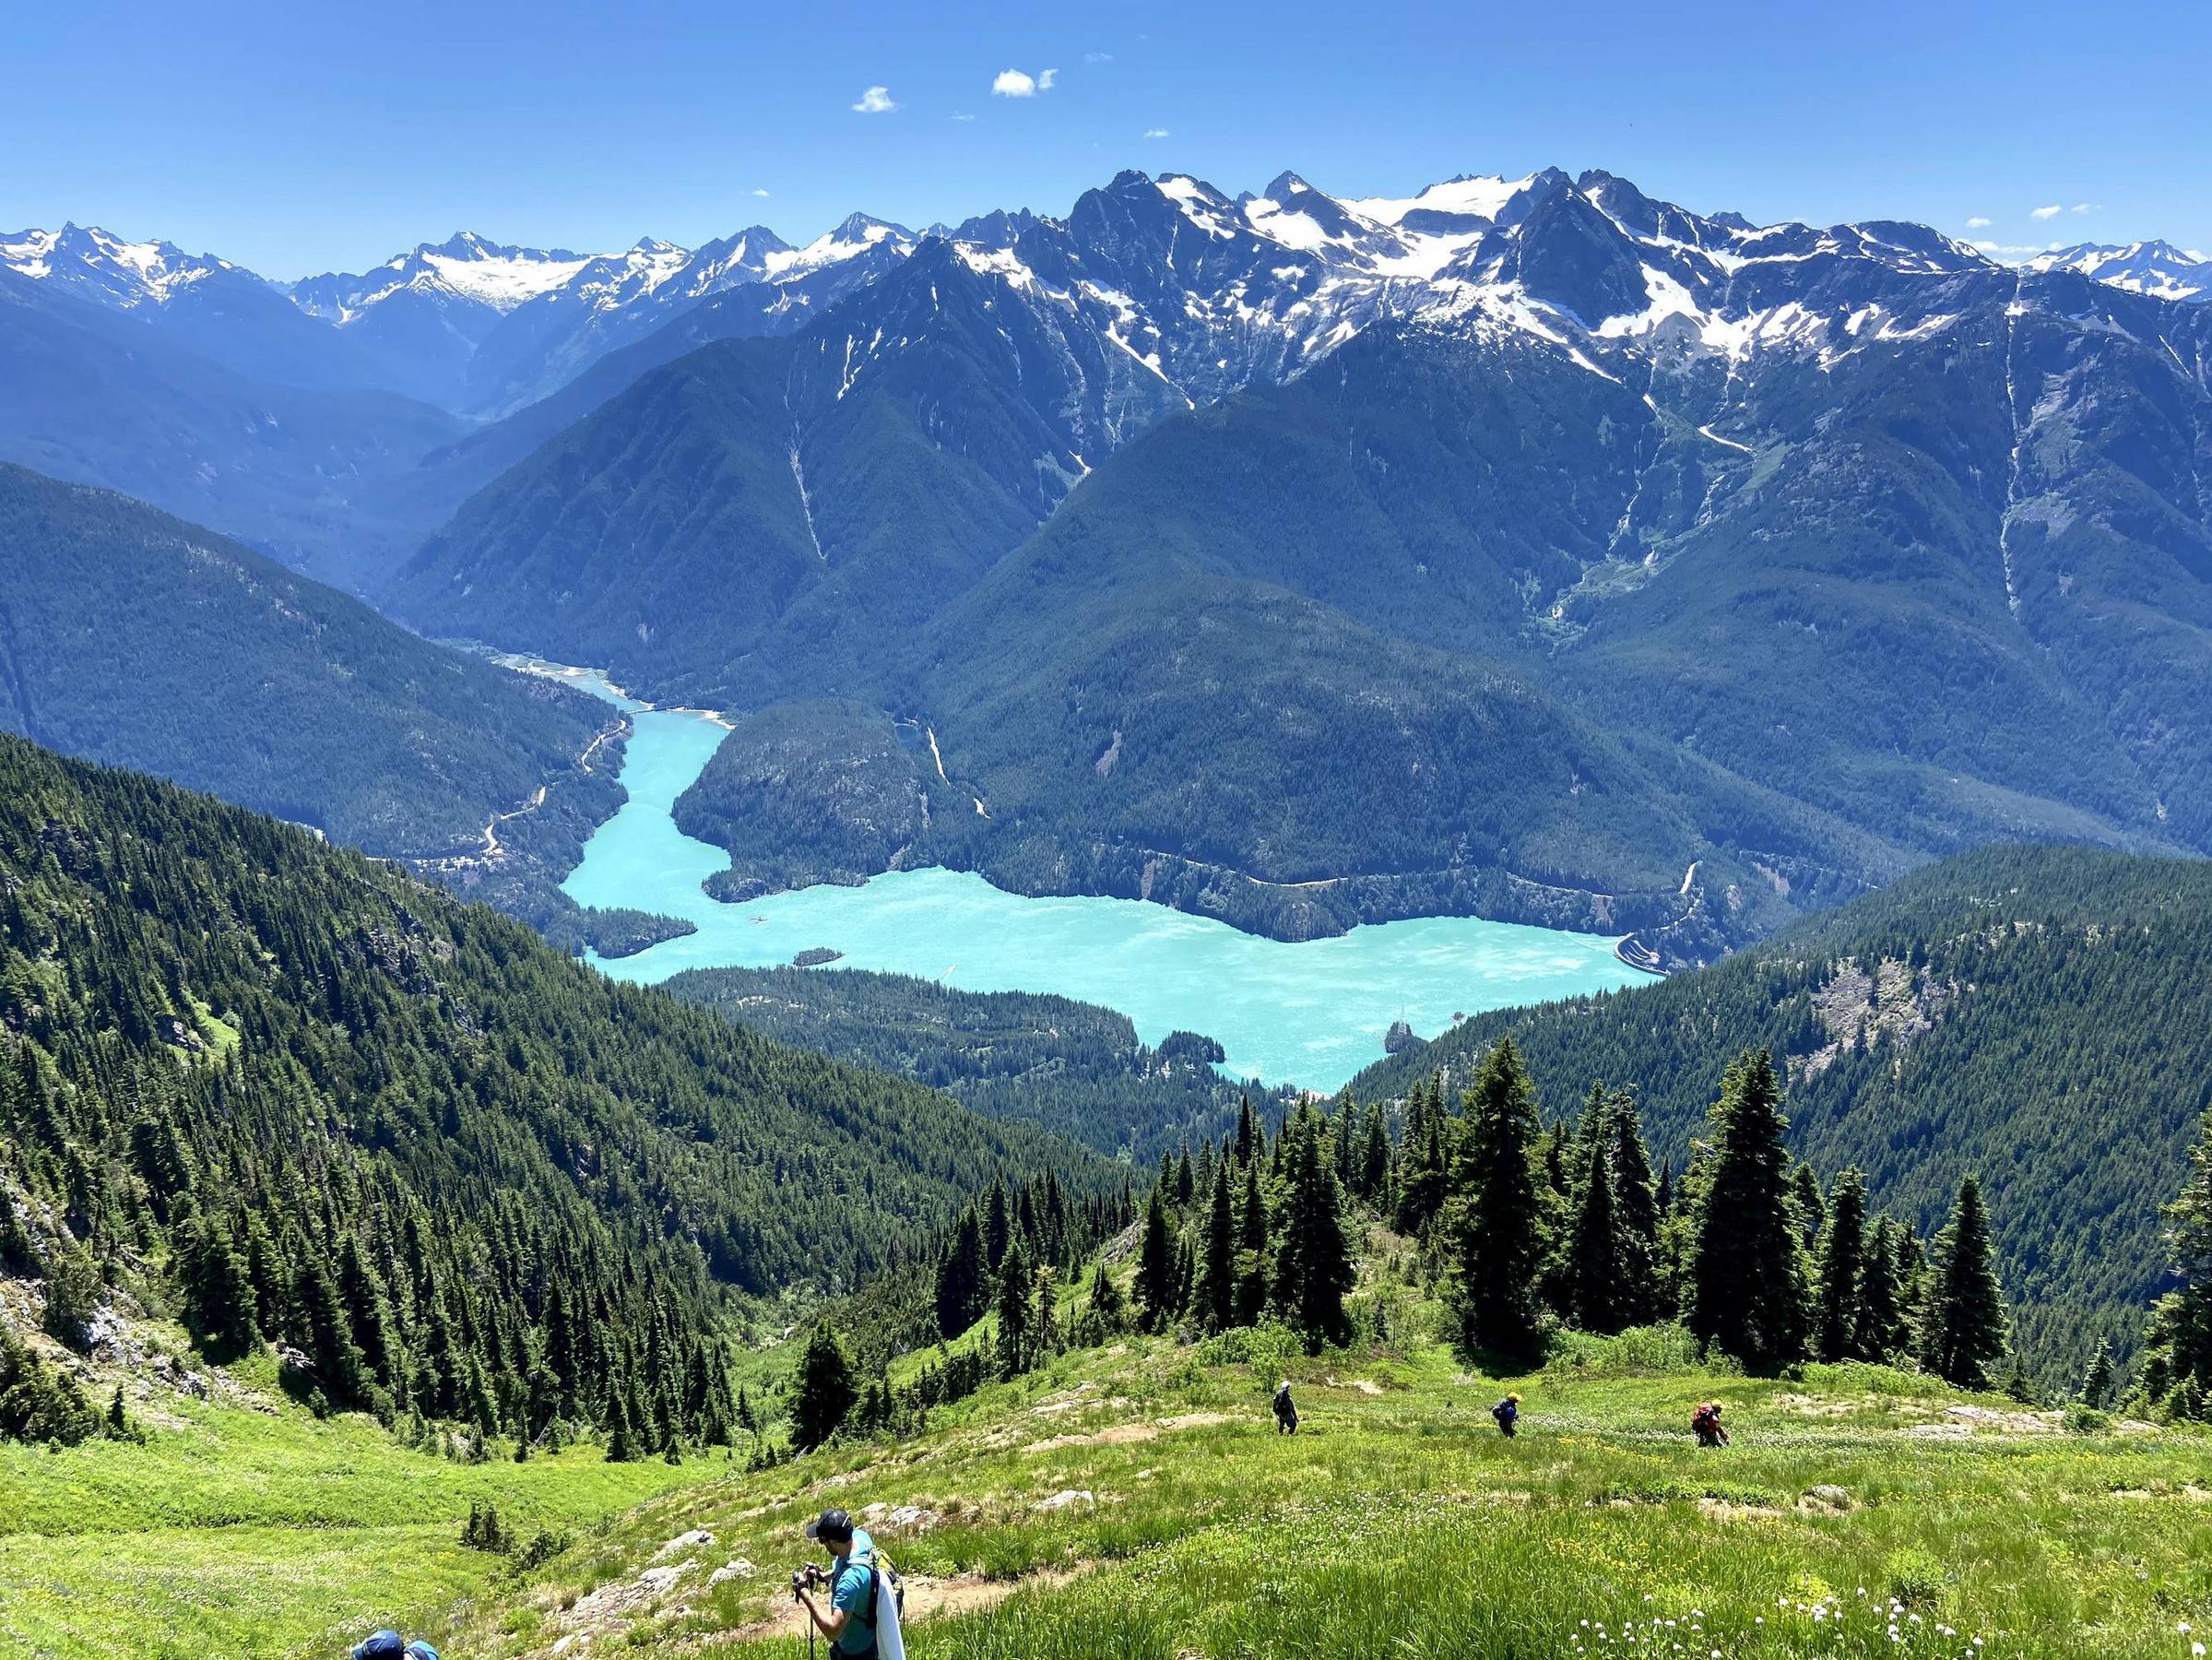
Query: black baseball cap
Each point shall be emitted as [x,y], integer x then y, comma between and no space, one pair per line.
[831,1525]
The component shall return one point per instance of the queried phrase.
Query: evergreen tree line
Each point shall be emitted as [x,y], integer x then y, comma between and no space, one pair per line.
[2043,1014]
[1007,1256]
[1539,1228]
[296,1098]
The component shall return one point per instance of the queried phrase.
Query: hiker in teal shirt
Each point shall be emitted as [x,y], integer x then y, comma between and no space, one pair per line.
[850,1624]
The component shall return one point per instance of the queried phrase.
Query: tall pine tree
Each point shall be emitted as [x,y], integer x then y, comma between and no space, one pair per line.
[1500,1240]
[2177,1343]
[825,1391]
[1214,1301]
[1962,1323]
[1313,1265]
[1747,1264]
[1839,1282]
[1156,1287]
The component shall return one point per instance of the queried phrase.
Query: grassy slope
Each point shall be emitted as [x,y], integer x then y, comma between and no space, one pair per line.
[1397,1521]
[1396,1512]
[254,1531]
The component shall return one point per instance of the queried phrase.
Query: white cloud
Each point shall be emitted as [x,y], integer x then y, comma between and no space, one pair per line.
[1098,57]
[1044,80]
[760,193]
[1155,132]
[1012,83]
[2043,213]
[1979,222]
[2084,207]
[876,100]
[958,117]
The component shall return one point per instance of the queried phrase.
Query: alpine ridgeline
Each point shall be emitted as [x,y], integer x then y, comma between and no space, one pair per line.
[1530,548]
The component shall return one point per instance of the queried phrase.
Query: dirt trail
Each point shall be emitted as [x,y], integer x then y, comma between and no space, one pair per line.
[927,1599]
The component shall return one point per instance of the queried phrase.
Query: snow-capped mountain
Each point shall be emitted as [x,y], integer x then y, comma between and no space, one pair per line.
[2157,268]
[96,264]
[464,271]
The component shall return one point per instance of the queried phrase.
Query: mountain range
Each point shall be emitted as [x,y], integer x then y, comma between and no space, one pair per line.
[1526,546]
[1530,547]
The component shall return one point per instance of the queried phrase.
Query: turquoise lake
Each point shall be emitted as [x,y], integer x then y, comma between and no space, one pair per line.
[1310,1013]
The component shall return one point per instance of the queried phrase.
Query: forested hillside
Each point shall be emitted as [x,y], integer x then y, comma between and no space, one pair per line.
[1071,1067]
[2039,1017]
[130,637]
[290,1093]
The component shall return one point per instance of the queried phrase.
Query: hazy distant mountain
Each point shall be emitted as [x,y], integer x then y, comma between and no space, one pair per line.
[205,305]
[99,394]
[2143,267]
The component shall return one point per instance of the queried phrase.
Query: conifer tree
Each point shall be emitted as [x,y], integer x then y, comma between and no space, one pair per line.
[1186,1181]
[1156,1285]
[825,1392]
[2097,1382]
[1747,1267]
[962,1279]
[1251,1251]
[2177,1341]
[1595,1285]
[1106,1305]
[1214,1301]
[1500,1240]
[1044,1323]
[1812,1207]
[621,1437]
[1962,1323]
[1313,1265]
[1839,1282]
[1425,1159]
[1636,1209]
[998,1225]
[325,1333]
[1016,1306]
[1246,1129]
[1375,1158]
[217,1300]
[1877,1330]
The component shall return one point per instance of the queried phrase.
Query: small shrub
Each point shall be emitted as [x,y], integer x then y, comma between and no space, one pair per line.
[1916,1575]
[2086,1420]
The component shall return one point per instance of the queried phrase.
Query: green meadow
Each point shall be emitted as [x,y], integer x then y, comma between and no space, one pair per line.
[1137,1501]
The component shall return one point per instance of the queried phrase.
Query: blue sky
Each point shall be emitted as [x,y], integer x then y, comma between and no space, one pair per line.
[295,138]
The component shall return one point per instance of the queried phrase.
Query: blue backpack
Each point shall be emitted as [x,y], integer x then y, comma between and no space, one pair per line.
[380,1645]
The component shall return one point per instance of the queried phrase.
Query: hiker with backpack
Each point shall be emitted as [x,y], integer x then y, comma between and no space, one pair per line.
[1508,1413]
[863,1620]
[1286,1415]
[385,1645]
[1705,1424]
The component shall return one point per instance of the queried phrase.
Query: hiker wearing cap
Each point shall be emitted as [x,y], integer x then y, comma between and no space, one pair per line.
[1286,1414]
[1508,1413]
[863,1620]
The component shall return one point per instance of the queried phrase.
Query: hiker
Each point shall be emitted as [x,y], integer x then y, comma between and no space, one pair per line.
[1286,1415]
[385,1645]
[1508,1413]
[863,1620]
[1705,1422]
